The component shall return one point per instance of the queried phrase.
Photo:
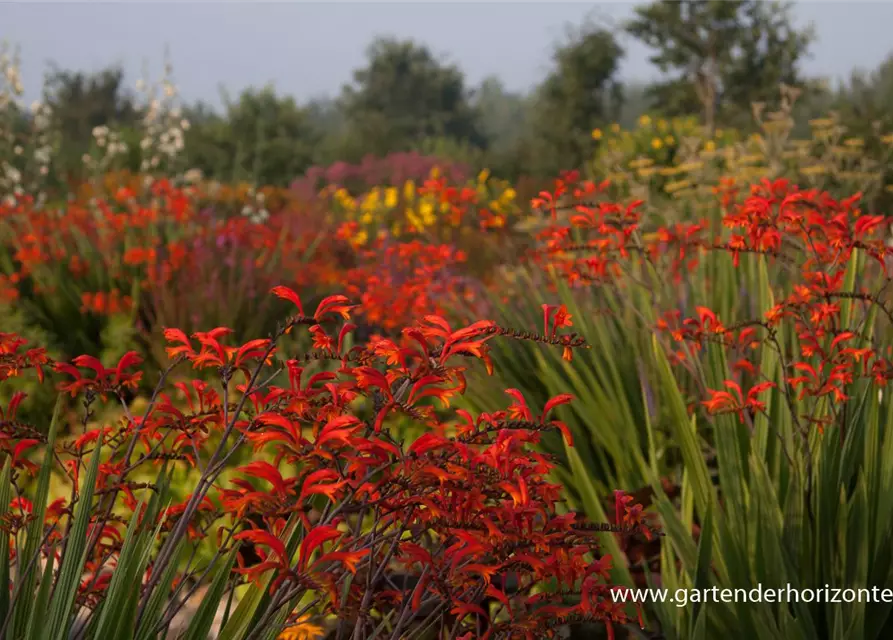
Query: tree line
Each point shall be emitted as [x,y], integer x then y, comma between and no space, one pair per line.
[715,58]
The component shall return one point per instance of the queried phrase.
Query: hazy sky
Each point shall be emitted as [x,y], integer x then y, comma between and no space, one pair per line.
[309,49]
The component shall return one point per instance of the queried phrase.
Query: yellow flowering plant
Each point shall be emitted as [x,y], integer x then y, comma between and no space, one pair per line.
[675,159]
[434,209]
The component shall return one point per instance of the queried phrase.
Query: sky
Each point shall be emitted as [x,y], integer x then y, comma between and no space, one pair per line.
[309,50]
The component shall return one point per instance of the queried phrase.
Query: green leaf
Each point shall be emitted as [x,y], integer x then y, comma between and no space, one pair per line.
[37,621]
[154,608]
[75,556]
[5,499]
[685,433]
[595,513]
[200,624]
[703,569]
[125,575]
[26,566]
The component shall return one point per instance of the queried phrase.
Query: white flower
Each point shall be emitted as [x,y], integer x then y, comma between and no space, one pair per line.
[17,150]
[140,85]
[13,174]
[42,155]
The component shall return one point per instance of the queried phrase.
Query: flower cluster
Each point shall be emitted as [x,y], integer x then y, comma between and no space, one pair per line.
[457,530]
[831,261]
[434,206]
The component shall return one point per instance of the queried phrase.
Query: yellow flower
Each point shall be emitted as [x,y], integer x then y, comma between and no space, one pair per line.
[409,190]
[710,146]
[644,121]
[814,170]
[361,238]
[641,162]
[657,143]
[426,209]
[615,128]
[596,134]
[390,197]
[661,125]
[887,139]
[435,173]
[370,202]
[508,195]
[414,220]
[366,218]
[670,140]
[617,177]
[483,175]
[677,186]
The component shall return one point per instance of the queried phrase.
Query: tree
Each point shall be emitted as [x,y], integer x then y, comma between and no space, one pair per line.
[502,114]
[580,94]
[81,101]
[504,118]
[404,95]
[863,105]
[868,97]
[726,54]
[261,138]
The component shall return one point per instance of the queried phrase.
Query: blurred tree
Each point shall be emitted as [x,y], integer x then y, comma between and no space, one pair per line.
[502,114]
[261,138]
[868,97]
[580,94]
[637,100]
[81,101]
[503,118]
[864,107]
[404,95]
[727,54]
